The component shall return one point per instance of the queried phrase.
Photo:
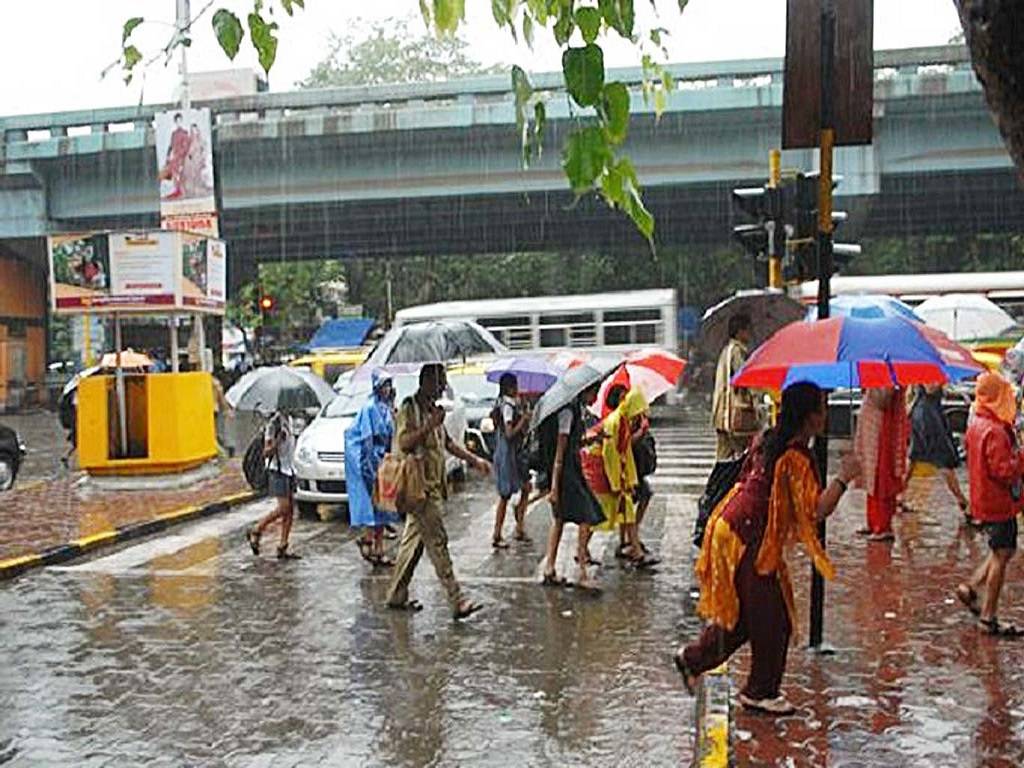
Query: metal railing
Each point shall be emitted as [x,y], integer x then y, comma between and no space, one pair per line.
[474,90]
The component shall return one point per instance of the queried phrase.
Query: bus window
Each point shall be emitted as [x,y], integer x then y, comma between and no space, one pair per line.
[569,330]
[632,326]
[513,332]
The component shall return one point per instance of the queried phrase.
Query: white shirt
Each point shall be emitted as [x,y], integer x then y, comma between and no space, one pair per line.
[508,411]
[281,459]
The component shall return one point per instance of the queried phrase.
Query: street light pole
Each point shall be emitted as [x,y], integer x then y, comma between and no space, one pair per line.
[183,17]
[826,143]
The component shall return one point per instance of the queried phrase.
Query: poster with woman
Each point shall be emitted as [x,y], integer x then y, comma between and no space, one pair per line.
[184,155]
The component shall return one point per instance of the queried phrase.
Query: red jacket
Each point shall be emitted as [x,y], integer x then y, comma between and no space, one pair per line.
[994,464]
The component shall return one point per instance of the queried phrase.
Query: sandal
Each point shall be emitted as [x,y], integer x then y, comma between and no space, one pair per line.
[777,706]
[365,550]
[554,580]
[499,544]
[284,554]
[590,560]
[390,532]
[383,561]
[466,608]
[620,553]
[993,628]
[253,537]
[643,562]
[411,606]
[523,538]
[884,536]
[969,598]
[689,678]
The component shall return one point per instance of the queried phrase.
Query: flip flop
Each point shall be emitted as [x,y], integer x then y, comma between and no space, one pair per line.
[390,532]
[464,612]
[590,561]
[381,561]
[523,538]
[284,554]
[969,598]
[365,550]
[993,628]
[254,541]
[409,606]
[499,544]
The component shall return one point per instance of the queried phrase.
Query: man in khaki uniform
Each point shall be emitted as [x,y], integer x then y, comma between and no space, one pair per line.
[726,399]
[421,431]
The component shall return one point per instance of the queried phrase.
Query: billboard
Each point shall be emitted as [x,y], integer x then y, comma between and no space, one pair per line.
[184,155]
[148,271]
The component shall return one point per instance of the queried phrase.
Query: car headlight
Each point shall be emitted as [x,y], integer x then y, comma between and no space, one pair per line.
[486,424]
[304,453]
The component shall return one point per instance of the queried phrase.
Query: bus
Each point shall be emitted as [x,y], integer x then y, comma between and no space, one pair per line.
[621,321]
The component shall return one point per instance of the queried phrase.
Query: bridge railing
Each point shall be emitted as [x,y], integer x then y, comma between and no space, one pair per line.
[494,88]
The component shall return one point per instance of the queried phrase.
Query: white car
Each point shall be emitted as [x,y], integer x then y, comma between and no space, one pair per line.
[319,458]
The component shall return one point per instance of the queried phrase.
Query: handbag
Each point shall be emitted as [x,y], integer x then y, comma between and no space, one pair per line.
[645,455]
[401,485]
[742,418]
[724,476]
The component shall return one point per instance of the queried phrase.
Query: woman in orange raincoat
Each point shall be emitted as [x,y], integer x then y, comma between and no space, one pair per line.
[745,592]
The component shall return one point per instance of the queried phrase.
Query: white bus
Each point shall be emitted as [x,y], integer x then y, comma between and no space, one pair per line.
[616,321]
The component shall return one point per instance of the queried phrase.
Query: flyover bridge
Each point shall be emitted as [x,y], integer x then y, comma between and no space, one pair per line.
[435,168]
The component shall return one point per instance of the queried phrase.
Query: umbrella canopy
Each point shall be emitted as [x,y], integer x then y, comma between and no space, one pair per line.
[435,341]
[129,359]
[571,384]
[868,306]
[533,374]
[769,310]
[653,372]
[279,388]
[850,352]
[72,384]
[967,317]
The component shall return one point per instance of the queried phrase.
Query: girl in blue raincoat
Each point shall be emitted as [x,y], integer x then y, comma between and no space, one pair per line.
[367,440]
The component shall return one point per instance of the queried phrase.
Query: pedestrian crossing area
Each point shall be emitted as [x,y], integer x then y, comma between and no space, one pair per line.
[686,455]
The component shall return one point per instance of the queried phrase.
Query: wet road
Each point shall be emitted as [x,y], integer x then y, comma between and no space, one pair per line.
[185,650]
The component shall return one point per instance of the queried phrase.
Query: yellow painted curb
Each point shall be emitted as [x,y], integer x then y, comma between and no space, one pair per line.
[716,742]
[88,541]
[21,560]
[243,496]
[178,513]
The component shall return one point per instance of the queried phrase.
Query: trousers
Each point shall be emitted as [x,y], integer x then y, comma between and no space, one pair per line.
[424,530]
[764,621]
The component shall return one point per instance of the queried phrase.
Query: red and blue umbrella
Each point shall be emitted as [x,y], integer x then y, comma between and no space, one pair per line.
[852,352]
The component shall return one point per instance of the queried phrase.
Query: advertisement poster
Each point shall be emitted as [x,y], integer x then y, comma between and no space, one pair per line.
[143,268]
[203,272]
[184,155]
[155,271]
[79,270]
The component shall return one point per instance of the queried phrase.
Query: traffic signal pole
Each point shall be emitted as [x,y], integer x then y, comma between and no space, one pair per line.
[774,258]
[826,142]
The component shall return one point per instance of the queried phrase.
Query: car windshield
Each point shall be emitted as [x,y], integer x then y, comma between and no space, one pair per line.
[474,388]
[351,399]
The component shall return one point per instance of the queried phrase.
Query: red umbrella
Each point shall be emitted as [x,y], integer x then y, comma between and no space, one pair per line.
[653,371]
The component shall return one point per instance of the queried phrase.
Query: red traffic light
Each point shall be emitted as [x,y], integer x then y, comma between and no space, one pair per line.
[266,303]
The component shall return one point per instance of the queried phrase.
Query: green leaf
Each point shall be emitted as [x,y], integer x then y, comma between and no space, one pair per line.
[627,17]
[263,40]
[522,89]
[528,30]
[615,102]
[589,21]
[656,35]
[539,10]
[129,27]
[540,119]
[502,11]
[229,32]
[618,14]
[585,157]
[448,14]
[682,5]
[130,57]
[564,25]
[583,69]
[290,5]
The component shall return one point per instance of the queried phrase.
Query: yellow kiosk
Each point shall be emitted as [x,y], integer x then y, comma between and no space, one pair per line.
[132,423]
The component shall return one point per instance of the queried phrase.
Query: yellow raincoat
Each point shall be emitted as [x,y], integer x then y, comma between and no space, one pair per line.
[619,467]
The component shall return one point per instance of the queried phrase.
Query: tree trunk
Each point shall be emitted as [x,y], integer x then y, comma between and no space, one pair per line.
[994,32]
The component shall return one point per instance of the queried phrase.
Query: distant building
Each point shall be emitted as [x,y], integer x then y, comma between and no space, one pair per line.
[223,84]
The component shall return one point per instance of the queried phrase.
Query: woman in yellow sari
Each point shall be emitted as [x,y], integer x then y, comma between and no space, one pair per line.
[745,592]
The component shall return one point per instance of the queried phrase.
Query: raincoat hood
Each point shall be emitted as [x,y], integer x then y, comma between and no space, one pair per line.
[634,404]
[995,394]
[378,378]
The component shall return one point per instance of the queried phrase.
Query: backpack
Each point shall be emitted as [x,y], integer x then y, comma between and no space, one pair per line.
[541,444]
[66,412]
[645,455]
[723,477]
[254,466]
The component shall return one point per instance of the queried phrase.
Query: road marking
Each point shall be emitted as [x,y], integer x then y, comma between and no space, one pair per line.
[96,538]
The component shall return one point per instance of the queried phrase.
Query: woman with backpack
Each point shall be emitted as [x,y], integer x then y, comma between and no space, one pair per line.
[511,422]
[278,447]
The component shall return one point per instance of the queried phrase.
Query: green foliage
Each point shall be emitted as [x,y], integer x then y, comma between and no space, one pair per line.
[263,39]
[129,27]
[588,20]
[583,69]
[388,51]
[229,32]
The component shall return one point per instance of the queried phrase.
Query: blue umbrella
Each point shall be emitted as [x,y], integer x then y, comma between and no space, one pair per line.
[867,306]
[533,374]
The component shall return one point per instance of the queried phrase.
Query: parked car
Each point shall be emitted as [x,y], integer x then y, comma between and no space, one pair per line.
[480,396]
[12,451]
[320,450]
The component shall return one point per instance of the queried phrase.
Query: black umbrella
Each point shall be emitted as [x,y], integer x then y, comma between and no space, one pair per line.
[435,341]
[572,383]
[279,388]
[768,310]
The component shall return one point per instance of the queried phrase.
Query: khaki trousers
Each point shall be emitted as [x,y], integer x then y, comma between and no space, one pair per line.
[423,531]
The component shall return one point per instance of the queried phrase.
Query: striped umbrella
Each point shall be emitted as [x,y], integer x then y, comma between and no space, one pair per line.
[653,371]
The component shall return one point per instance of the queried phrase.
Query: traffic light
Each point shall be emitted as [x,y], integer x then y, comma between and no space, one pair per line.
[764,237]
[800,205]
[266,303]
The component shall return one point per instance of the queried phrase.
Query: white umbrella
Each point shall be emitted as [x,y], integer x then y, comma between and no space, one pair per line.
[966,317]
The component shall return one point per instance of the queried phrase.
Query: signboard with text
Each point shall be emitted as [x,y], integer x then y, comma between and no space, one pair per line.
[184,156]
[151,271]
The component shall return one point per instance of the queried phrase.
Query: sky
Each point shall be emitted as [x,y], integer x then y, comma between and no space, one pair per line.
[54,50]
